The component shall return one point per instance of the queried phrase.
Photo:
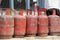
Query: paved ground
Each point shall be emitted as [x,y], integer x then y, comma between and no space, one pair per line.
[36,38]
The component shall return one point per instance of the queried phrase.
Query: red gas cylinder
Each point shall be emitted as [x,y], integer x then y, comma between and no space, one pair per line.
[54,24]
[21,12]
[41,10]
[30,11]
[43,25]
[6,26]
[20,25]
[59,25]
[31,25]
[7,11]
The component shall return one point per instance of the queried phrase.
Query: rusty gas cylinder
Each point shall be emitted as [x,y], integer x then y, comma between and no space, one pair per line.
[31,25]
[6,26]
[41,10]
[43,25]
[54,24]
[20,25]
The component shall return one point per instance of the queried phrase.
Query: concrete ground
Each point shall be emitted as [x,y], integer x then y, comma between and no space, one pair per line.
[36,38]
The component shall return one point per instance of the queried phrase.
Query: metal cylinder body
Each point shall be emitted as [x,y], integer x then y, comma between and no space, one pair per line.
[31,25]
[20,26]
[43,25]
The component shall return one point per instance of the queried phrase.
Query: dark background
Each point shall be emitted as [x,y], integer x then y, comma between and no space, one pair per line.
[5,4]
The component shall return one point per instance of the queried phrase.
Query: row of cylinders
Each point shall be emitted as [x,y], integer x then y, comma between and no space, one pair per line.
[29,25]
